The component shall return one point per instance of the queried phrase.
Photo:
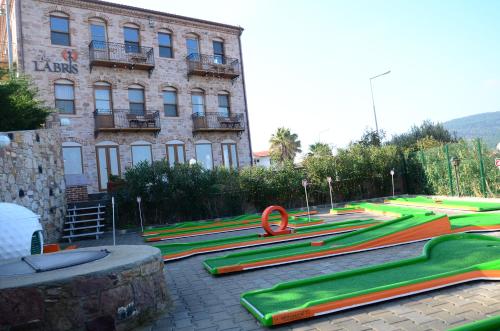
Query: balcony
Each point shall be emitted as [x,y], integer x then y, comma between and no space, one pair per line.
[215,66]
[115,55]
[203,122]
[117,120]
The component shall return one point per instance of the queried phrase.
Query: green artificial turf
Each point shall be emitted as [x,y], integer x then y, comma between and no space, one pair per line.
[461,221]
[186,247]
[339,241]
[389,209]
[479,205]
[187,231]
[443,256]
[488,324]
[253,218]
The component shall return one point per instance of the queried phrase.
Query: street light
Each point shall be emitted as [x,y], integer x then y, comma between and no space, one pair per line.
[455,161]
[373,99]
[392,177]
[305,183]
[329,180]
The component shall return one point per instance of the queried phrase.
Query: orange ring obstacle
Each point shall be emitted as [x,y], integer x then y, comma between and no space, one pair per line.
[283,224]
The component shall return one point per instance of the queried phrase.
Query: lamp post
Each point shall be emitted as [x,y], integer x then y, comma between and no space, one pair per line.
[373,99]
[455,161]
[392,178]
[304,183]
[329,180]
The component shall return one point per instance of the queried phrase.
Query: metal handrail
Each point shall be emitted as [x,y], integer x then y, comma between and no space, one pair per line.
[123,53]
[220,121]
[211,63]
[126,119]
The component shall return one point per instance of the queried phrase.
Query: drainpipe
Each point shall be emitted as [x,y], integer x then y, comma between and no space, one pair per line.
[9,35]
[245,97]
[20,39]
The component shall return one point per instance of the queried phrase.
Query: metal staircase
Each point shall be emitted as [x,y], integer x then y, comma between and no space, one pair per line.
[84,220]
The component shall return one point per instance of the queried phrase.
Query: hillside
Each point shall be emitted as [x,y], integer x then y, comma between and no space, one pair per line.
[485,126]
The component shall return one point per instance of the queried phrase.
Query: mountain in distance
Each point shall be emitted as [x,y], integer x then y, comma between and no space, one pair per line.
[485,126]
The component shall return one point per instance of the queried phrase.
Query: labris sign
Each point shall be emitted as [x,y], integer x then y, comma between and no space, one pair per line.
[63,67]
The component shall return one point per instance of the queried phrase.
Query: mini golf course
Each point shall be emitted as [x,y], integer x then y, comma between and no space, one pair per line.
[446,204]
[405,229]
[446,261]
[176,251]
[388,210]
[211,227]
[488,324]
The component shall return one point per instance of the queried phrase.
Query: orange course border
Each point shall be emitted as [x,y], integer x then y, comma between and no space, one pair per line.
[407,290]
[424,231]
[264,241]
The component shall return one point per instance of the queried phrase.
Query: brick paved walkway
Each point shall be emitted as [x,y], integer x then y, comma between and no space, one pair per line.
[204,302]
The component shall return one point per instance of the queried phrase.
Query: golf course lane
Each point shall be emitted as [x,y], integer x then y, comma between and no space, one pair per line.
[388,209]
[446,204]
[446,260]
[293,222]
[403,229]
[242,219]
[179,250]
[475,222]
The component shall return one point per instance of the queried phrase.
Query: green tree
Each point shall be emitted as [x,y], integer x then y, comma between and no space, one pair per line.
[371,138]
[427,130]
[20,110]
[319,149]
[284,145]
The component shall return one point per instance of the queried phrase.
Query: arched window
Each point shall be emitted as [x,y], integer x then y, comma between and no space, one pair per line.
[64,92]
[103,97]
[204,156]
[136,99]
[132,38]
[59,29]
[229,154]
[198,102]
[141,151]
[170,102]
[98,33]
[176,152]
[193,47]
[72,158]
[224,108]
[108,162]
[165,44]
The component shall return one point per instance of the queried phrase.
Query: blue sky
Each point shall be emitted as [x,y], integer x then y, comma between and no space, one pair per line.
[307,63]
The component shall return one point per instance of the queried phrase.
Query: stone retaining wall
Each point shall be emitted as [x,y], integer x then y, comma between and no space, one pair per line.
[119,292]
[32,175]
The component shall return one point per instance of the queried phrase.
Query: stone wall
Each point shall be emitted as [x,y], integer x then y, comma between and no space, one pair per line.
[117,292]
[168,72]
[32,175]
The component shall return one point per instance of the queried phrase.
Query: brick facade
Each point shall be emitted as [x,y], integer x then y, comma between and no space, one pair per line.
[33,19]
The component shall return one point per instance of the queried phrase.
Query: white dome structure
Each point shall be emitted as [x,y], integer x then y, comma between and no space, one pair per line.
[20,231]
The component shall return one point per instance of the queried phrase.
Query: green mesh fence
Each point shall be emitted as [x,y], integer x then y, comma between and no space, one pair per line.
[466,168]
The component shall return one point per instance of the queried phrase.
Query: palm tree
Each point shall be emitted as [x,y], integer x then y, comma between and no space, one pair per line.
[284,145]
[319,149]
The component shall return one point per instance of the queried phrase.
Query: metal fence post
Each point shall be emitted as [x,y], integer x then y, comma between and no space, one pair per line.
[481,168]
[450,179]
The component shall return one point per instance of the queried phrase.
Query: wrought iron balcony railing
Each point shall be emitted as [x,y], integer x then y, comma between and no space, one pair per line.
[209,65]
[129,56]
[218,122]
[125,120]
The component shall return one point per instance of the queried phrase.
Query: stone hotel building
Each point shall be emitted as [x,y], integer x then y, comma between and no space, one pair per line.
[133,85]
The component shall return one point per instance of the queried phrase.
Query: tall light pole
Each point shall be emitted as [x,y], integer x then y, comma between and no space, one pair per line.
[373,99]
[6,12]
